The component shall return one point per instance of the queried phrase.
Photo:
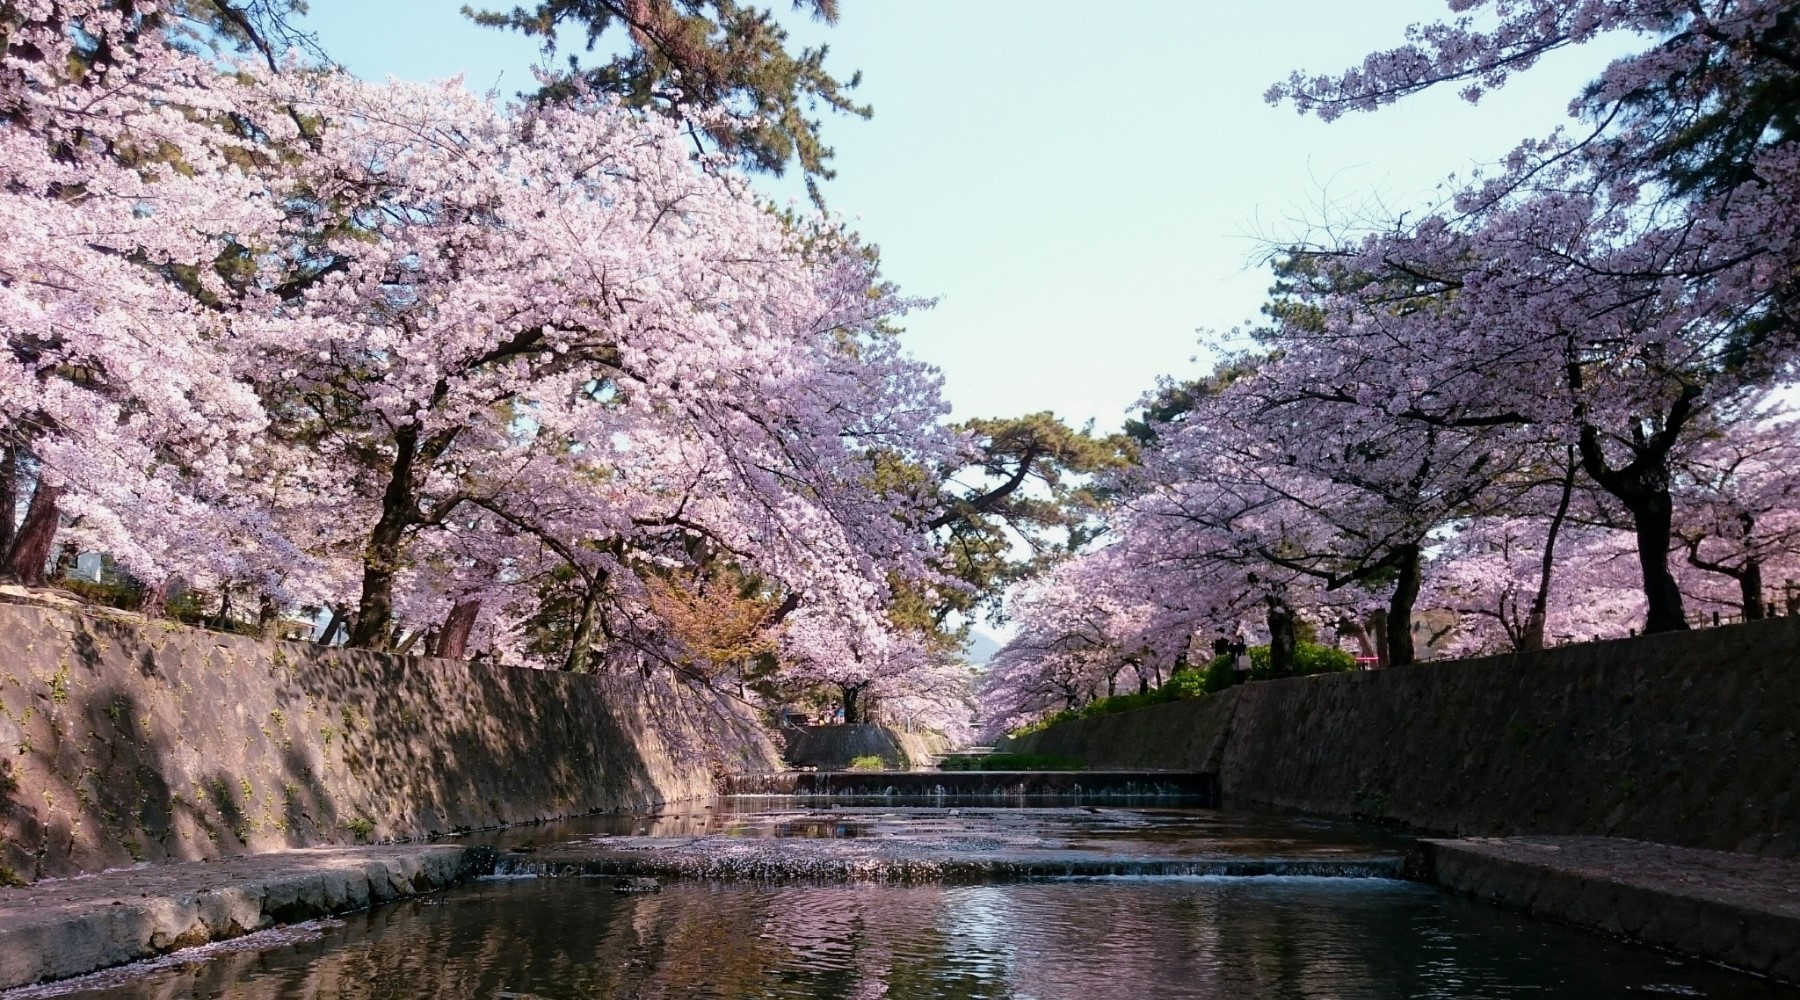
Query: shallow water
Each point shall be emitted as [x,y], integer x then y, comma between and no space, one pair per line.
[1230,939]
[1280,938]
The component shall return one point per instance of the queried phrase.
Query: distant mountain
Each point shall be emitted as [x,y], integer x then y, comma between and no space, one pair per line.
[980,648]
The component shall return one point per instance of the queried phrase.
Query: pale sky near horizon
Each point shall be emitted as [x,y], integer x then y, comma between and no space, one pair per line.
[1081,195]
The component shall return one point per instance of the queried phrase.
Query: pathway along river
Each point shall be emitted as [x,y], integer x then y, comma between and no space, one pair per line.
[779,897]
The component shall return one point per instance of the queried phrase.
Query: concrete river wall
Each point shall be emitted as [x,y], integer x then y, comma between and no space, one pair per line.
[1689,739]
[833,748]
[125,740]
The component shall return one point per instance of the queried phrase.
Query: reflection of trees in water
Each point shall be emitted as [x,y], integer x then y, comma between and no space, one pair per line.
[1209,940]
[575,939]
[404,950]
[690,940]
[1289,941]
[1095,941]
[880,940]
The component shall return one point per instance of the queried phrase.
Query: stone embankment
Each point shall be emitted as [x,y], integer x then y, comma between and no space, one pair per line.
[1690,739]
[59,928]
[1734,909]
[124,740]
[833,748]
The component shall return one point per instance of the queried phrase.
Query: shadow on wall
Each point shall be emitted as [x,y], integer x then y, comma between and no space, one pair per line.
[125,741]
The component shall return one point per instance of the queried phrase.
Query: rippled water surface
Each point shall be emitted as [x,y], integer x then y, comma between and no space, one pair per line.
[1092,939]
[1215,938]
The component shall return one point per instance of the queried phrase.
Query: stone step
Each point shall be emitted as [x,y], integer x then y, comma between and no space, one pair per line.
[731,859]
[56,928]
[1738,910]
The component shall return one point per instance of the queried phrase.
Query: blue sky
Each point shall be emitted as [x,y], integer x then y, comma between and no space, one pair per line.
[1081,193]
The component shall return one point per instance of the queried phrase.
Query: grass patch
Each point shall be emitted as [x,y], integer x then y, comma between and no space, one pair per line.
[1184,684]
[1309,659]
[1010,762]
[868,763]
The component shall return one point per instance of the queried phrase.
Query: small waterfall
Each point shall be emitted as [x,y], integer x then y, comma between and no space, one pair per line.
[985,787]
[789,865]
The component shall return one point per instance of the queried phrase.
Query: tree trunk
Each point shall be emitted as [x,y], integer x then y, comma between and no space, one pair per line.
[66,557]
[267,617]
[852,712]
[1643,487]
[1644,491]
[381,555]
[154,601]
[1365,646]
[223,621]
[1750,589]
[381,564]
[332,626]
[1282,637]
[1400,608]
[1533,638]
[37,534]
[1378,628]
[581,644]
[453,638]
[9,496]
[1653,518]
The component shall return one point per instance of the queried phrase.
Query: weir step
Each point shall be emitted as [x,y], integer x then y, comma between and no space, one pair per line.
[968,752]
[788,862]
[1186,787]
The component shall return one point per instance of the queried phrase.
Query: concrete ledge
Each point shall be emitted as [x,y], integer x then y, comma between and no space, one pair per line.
[1735,909]
[60,928]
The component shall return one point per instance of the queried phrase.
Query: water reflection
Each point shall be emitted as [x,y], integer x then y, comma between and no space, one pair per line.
[1221,939]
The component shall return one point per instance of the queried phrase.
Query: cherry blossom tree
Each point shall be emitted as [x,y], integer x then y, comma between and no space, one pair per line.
[477,378]
[132,186]
[1740,501]
[867,661]
[1643,266]
[1290,476]
[554,316]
